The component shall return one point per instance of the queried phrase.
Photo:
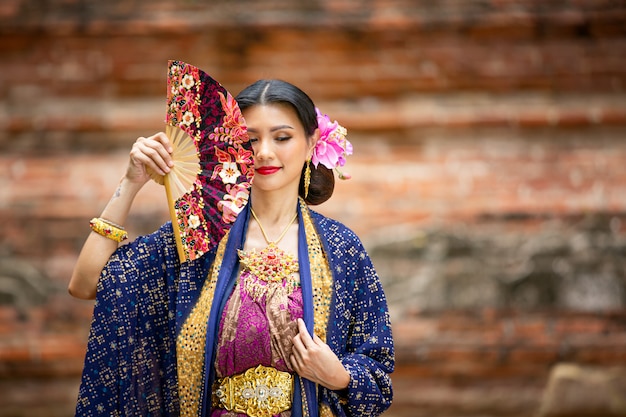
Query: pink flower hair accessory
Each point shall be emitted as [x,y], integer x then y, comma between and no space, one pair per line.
[332,148]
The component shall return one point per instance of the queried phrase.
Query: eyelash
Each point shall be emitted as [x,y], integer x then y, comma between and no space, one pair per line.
[279,139]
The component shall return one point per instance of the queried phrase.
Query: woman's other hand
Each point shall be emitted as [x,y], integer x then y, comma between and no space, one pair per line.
[314,360]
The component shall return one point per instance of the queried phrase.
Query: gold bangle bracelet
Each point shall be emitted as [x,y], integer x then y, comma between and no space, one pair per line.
[110,223]
[108,229]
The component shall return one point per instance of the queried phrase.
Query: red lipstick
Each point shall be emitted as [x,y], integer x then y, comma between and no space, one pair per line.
[266,170]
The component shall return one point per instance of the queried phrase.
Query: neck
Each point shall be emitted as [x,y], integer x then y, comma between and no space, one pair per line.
[273,210]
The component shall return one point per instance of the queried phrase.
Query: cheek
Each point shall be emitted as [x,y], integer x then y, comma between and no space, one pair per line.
[300,156]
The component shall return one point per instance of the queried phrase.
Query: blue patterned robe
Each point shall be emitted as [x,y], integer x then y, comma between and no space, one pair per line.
[145,294]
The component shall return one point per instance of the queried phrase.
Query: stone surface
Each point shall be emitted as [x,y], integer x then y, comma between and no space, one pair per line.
[560,263]
[579,391]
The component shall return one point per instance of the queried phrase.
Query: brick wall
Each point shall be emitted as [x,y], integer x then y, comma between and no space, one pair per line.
[499,118]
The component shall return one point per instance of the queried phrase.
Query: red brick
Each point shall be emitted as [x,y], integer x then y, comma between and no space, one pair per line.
[601,355]
[458,113]
[463,355]
[577,325]
[612,116]
[534,355]
[534,331]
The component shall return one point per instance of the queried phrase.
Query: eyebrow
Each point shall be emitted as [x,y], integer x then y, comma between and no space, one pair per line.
[273,129]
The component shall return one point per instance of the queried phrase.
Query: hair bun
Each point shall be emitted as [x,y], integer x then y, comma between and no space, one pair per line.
[321,187]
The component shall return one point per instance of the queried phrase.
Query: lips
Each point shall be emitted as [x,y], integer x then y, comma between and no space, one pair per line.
[266,170]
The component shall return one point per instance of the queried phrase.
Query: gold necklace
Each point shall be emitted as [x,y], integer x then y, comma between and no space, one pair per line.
[270,267]
[282,235]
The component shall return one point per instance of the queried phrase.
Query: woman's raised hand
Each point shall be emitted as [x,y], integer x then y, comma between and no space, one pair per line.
[153,152]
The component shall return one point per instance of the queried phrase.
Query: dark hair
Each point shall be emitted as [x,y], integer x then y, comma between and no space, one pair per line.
[281,92]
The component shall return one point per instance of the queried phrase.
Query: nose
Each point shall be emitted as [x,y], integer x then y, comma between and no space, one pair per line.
[262,149]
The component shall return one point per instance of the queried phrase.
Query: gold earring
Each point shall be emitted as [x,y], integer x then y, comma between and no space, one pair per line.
[307,178]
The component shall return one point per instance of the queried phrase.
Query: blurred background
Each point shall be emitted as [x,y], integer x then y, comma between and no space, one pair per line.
[489,179]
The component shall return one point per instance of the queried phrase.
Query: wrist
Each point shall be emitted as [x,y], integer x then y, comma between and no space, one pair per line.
[128,187]
[344,380]
[119,206]
[341,380]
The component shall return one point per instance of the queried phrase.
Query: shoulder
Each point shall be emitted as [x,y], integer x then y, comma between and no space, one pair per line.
[164,235]
[333,229]
[161,238]
[341,244]
[159,241]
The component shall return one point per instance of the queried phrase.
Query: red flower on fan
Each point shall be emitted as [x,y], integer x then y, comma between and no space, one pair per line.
[233,129]
[233,201]
[243,158]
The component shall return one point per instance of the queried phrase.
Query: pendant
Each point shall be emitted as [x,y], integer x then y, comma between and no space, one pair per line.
[272,264]
[268,271]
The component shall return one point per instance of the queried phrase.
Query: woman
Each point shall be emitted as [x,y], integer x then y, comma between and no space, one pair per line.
[220,335]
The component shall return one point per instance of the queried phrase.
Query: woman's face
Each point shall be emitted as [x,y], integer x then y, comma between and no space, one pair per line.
[280,146]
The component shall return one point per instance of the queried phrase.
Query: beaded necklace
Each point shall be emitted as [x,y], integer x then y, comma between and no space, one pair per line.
[269,267]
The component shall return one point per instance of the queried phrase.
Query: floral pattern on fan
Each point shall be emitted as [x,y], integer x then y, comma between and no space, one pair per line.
[202,108]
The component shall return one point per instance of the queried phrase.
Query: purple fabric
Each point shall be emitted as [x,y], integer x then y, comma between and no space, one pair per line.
[254,333]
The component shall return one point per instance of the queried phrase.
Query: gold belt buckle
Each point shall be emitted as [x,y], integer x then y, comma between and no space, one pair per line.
[258,392]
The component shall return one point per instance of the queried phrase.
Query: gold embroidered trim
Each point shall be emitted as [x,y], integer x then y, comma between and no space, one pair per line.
[325,411]
[190,344]
[321,277]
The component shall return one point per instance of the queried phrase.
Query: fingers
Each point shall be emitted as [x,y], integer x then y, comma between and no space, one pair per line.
[305,337]
[305,348]
[313,359]
[297,362]
[164,140]
[153,152]
[299,354]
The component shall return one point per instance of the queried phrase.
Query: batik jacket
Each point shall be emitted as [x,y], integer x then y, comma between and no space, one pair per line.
[145,295]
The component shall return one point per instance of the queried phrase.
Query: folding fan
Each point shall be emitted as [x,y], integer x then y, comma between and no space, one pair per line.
[209,183]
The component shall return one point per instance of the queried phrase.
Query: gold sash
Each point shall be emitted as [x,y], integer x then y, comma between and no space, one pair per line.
[258,392]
